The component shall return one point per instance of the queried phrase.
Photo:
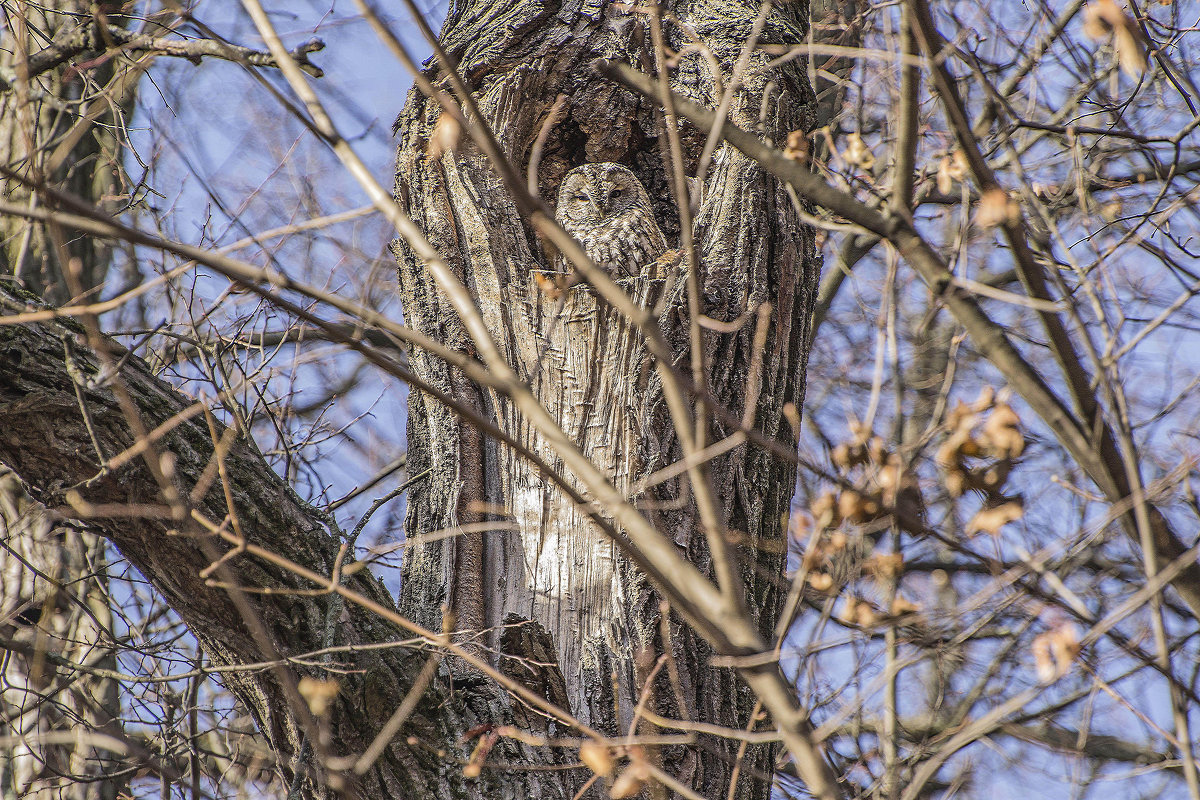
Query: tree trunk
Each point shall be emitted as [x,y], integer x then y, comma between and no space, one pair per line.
[43,137]
[544,569]
[553,592]
[49,445]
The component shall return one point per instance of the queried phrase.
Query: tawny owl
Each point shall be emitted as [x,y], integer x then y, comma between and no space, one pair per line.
[607,209]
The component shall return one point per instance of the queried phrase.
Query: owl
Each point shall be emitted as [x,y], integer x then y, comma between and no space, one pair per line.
[606,208]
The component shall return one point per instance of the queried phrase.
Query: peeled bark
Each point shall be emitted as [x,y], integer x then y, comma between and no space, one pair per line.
[545,567]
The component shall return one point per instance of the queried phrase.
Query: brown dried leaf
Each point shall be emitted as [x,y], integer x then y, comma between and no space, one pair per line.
[944,182]
[633,778]
[885,566]
[894,479]
[551,287]
[996,208]
[792,415]
[446,134]
[901,605]
[798,147]
[993,518]
[857,153]
[857,507]
[1054,650]
[844,456]
[824,511]
[961,417]
[800,525]
[987,396]
[959,444]
[484,746]
[991,479]
[951,169]
[857,611]
[597,757]
[1002,432]
[821,581]
[956,482]
[318,694]
[1103,18]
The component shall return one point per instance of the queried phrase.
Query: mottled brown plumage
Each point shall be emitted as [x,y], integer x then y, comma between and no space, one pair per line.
[607,209]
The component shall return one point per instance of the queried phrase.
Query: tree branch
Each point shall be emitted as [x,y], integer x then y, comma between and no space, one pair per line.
[989,337]
[91,42]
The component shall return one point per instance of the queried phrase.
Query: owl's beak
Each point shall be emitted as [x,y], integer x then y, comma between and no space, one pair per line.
[603,206]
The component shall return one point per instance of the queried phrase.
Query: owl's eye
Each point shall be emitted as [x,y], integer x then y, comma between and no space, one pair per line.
[580,197]
[617,192]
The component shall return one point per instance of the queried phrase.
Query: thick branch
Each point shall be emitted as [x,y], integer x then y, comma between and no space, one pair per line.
[91,42]
[47,441]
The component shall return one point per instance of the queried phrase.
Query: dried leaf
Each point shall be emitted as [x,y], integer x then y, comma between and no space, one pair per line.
[944,182]
[627,784]
[824,511]
[633,778]
[551,287]
[800,525]
[1104,18]
[956,482]
[1054,650]
[959,444]
[821,581]
[951,169]
[843,456]
[961,417]
[901,605]
[987,396]
[857,153]
[885,566]
[996,208]
[484,746]
[798,147]
[597,757]
[857,611]
[854,506]
[894,478]
[1002,432]
[993,518]
[991,479]
[318,694]
[792,415]
[446,134]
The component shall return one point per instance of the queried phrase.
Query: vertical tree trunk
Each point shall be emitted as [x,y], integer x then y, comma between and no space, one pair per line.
[544,578]
[43,137]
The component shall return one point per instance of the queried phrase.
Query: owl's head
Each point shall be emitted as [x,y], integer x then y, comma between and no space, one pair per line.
[594,193]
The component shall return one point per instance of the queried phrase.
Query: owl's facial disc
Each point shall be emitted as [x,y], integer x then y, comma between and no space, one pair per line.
[610,199]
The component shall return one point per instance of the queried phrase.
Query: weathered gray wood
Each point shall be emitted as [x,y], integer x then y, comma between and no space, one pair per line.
[588,367]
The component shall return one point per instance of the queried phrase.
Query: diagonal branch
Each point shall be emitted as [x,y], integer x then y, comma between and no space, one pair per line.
[989,337]
[92,42]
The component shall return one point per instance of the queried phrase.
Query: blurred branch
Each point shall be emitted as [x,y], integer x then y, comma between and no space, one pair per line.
[1103,468]
[335,332]
[93,44]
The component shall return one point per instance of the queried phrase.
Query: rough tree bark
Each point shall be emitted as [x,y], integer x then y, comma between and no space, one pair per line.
[554,591]
[543,570]
[48,443]
[55,591]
